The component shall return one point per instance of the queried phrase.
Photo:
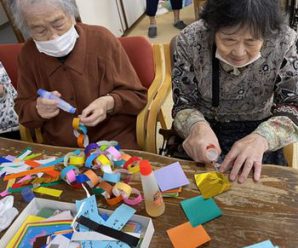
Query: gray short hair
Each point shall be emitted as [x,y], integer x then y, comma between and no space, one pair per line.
[68,6]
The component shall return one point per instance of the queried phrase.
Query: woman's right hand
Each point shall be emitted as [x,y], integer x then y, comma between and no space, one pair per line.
[201,136]
[1,90]
[47,108]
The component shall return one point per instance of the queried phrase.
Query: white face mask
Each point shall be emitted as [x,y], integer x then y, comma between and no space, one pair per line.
[60,46]
[217,55]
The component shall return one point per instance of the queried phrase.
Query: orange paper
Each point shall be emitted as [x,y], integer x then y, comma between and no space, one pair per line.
[29,172]
[186,236]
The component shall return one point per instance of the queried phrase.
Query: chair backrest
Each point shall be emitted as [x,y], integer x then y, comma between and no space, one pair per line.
[8,57]
[140,53]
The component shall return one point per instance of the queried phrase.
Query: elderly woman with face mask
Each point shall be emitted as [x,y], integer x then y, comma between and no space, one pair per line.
[235,86]
[85,65]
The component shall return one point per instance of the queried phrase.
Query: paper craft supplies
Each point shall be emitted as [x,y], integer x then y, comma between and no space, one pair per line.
[199,210]
[171,177]
[187,236]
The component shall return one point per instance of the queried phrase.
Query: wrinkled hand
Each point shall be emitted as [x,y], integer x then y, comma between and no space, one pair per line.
[245,154]
[201,136]
[47,108]
[96,112]
[1,90]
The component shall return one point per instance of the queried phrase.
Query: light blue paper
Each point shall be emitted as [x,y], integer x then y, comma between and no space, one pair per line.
[117,220]
[90,211]
[120,217]
[111,177]
[199,210]
[263,244]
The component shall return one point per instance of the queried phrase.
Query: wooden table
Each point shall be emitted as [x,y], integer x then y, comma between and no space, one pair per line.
[252,212]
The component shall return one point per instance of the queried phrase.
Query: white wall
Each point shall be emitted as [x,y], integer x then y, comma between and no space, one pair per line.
[3,17]
[133,10]
[102,12]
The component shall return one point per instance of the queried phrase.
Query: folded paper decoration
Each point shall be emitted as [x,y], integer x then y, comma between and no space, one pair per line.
[212,183]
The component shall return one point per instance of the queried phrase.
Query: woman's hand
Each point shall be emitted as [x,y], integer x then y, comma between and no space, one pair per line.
[245,154]
[96,112]
[47,108]
[201,136]
[1,90]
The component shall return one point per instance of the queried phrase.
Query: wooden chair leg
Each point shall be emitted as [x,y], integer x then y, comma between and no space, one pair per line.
[143,115]
[162,120]
[155,108]
[25,133]
[291,155]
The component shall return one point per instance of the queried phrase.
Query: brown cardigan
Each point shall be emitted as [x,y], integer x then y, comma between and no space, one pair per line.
[97,66]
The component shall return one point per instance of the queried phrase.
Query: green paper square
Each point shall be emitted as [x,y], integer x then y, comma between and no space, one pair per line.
[199,210]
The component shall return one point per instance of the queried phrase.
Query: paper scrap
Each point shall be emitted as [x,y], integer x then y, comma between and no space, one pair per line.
[90,211]
[212,183]
[59,241]
[120,217]
[48,191]
[29,219]
[171,177]
[199,210]
[187,236]
[263,244]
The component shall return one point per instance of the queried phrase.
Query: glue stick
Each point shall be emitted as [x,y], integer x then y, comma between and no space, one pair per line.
[61,103]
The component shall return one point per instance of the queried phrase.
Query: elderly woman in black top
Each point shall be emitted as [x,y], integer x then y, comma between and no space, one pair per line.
[235,85]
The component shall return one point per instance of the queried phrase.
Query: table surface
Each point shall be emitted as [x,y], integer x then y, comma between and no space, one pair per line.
[252,212]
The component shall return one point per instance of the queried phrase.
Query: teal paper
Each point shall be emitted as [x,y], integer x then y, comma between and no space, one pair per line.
[199,210]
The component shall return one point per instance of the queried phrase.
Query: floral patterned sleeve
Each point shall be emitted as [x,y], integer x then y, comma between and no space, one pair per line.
[282,129]
[185,90]
[8,117]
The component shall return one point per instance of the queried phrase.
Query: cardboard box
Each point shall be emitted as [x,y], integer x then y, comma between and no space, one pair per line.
[37,204]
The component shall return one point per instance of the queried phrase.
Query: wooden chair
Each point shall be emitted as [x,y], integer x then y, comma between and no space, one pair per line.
[291,154]
[150,63]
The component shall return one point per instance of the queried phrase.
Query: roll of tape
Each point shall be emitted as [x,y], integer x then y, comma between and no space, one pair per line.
[94,179]
[90,148]
[66,170]
[75,123]
[123,189]
[135,198]
[107,188]
[90,159]
[82,140]
[103,160]
[133,168]
[112,177]
[76,160]
[116,155]
[71,176]
[132,160]
[114,201]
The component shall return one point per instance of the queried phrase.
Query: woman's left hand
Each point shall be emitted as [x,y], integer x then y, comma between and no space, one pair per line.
[245,154]
[96,112]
